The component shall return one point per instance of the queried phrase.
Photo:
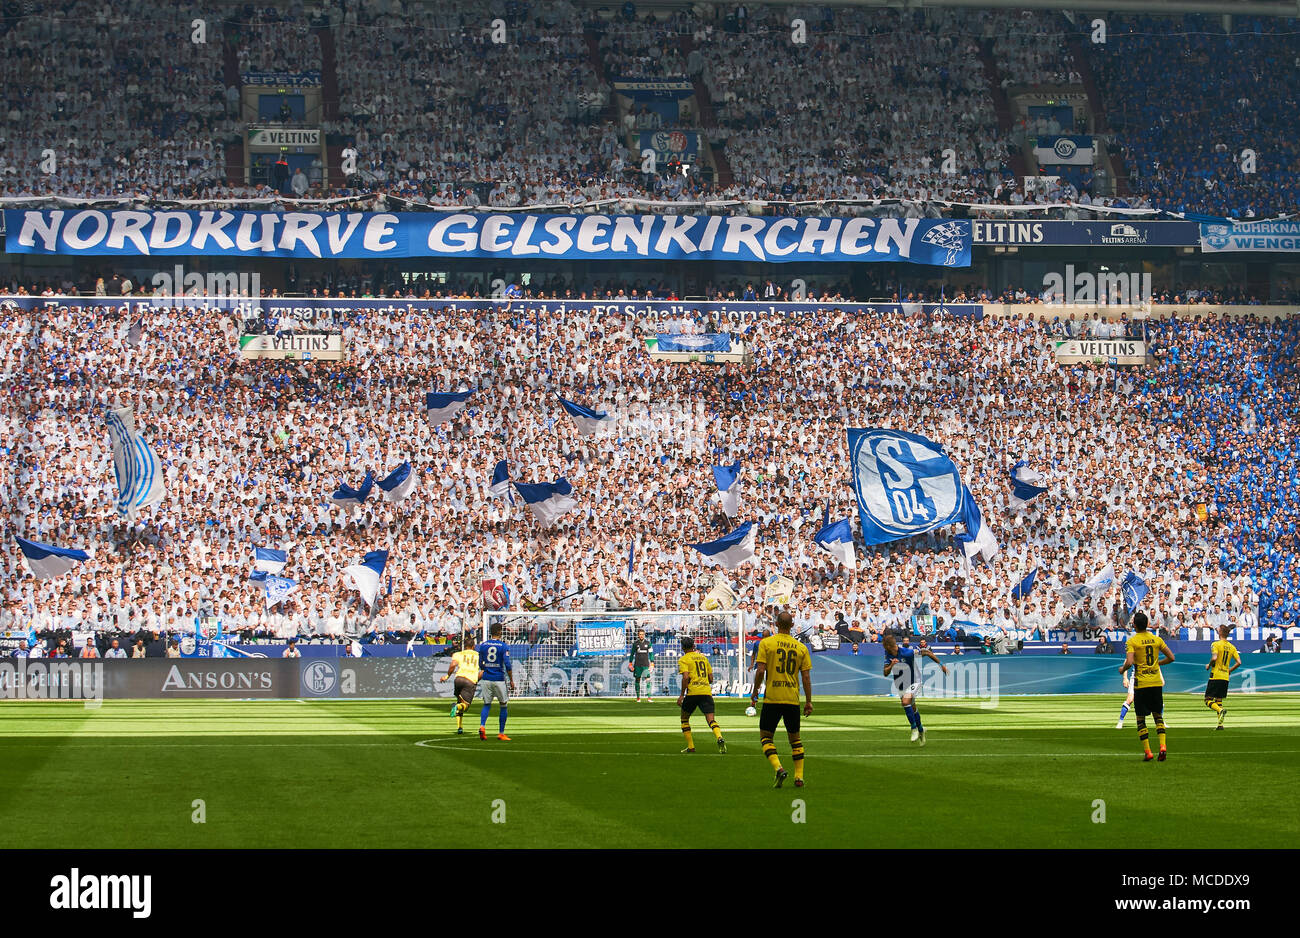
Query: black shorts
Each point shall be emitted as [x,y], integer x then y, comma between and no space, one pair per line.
[1149,700]
[771,715]
[464,689]
[1216,690]
[702,702]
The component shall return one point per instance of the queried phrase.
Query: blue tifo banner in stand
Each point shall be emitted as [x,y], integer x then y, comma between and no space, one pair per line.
[601,638]
[1063,151]
[670,144]
[1260,236]
[124,233]
[705,342]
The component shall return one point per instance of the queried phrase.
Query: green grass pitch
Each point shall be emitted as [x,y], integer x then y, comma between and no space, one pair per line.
[608,773]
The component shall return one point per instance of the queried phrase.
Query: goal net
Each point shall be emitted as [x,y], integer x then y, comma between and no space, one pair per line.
[586,654]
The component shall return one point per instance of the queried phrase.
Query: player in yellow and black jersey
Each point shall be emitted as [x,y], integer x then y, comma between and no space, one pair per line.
[465,668]
[1224,659]
[1146,653]
[697,693]
[780,662]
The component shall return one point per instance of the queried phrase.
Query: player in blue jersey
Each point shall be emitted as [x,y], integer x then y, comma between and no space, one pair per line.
[900,664]
[494,659]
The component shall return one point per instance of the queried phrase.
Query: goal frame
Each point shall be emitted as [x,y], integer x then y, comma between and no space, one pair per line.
[553,667]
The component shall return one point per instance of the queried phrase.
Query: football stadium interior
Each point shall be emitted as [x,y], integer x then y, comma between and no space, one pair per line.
[574,360]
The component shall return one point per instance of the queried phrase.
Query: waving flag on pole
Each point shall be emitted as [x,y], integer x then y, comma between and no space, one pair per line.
[1135,590]
[47,561]
[904,483]
[135,465]
[1076,592]
[730,550]
[728,481]
[346,496]
[365,576]
[500,484]
[1026,484]
[269,560]
[1025,586]
[837,540]
[978,539]
[586,421]
[441,406]
[399,483]
[547,500]
[277,589]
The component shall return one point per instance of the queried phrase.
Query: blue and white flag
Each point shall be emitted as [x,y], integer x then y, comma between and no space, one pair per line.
[365,576]
[978,539]
[399,483]
[904,484]
[631,559]
[500,484]
[269,560]
[730,550]
[837,540]
[1026,484]
[1076,592]
[1025,586]
[728,481]
[135,465]
[547,500]
[277,589]
[442,406]
[47,561]
[586,421]
[1135,590]
[346,496]
[1075,150]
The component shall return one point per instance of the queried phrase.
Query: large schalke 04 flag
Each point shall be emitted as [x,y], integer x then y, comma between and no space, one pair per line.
[904,484]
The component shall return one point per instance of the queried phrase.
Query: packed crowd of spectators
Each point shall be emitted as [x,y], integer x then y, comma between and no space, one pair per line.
[440,114]
[252,450]
[1186,103]
[108,100]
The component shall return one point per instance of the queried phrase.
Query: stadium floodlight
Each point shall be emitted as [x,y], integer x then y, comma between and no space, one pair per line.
[586,654]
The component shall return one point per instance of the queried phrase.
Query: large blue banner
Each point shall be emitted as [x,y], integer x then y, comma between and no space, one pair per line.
[1260,236]
[693,343]
[1102,232]
[377,235]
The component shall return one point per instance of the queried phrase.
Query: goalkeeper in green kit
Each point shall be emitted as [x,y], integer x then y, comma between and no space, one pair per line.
[641,662]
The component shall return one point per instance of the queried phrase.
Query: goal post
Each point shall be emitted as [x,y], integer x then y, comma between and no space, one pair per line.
[586,654]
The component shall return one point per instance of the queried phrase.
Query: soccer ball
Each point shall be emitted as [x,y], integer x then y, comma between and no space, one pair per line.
[750,711]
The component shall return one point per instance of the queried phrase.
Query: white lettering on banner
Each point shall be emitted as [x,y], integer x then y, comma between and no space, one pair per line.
[284,138]
[299,234]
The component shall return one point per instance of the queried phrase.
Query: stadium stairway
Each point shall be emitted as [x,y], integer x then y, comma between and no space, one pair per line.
[1001,104]
[329,73]
[234,152]
[1097,105]
[707,116]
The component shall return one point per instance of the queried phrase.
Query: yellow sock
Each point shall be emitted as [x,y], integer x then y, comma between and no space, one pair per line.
[1146,739]
[796,753]
[717,730]
[1214,705]
[769,750]
[1160,732]
[690,739]
[460,718]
